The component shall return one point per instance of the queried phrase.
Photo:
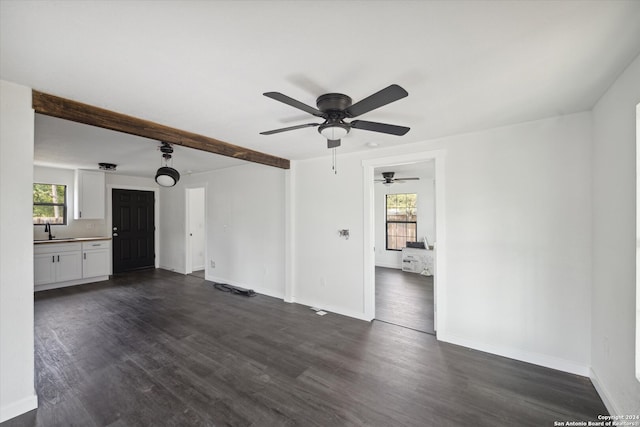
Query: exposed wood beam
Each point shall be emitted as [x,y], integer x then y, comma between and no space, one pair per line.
[67,109]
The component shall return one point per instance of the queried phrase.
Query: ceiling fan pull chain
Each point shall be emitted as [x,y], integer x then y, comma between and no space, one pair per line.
[335,162]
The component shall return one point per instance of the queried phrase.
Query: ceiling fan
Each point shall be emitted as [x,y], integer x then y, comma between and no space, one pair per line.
[388,178]
[335,107]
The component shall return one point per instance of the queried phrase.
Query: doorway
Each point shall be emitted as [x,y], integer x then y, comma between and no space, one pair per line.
[133,225]
[195,228]
[439,236]
[405,216]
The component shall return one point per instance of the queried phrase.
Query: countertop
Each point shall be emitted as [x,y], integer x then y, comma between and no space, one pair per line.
[69,240]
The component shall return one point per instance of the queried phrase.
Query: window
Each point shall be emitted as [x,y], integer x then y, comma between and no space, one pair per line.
[402,224]
[49,204]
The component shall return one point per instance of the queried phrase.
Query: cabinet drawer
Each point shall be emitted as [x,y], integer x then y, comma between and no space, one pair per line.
[55,248]
[97,244]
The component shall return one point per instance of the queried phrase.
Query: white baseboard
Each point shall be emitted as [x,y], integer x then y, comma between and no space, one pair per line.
[332,309]
[57,285]
[517,354]
[604,394]
[14,409]
[173,270]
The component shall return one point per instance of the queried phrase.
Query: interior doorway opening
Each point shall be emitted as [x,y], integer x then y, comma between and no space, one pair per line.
[404,228]
[195,232]
[438,240]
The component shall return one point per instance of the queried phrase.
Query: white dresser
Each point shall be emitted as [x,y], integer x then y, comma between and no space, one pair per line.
[416,260]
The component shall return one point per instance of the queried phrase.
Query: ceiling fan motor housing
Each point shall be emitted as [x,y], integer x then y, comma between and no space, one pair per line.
[333,102]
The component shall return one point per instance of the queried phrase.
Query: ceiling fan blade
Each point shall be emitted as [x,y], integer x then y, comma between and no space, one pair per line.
[385,96]
[270,132]
[292,102]
[408,179]
[379,127]
[333,143]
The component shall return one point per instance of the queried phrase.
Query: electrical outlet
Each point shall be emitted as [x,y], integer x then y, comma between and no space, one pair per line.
[213,264]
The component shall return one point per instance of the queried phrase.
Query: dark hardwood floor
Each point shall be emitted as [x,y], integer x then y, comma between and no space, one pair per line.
[154,348]
[198,273]
[404,299]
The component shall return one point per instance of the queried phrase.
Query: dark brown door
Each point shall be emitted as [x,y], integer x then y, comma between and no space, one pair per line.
[133,230]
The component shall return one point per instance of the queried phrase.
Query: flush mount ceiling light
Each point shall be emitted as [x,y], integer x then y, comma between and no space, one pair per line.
[167,176]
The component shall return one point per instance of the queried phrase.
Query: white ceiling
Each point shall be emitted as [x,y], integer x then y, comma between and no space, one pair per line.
[202,66]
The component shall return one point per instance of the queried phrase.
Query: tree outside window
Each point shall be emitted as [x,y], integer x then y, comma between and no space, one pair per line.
[49,204]
[402,220]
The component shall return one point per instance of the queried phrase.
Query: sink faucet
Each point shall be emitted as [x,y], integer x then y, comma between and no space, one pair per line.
[47,229]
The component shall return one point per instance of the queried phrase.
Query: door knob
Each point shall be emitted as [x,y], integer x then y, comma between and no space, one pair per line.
[115,234]
[115,228]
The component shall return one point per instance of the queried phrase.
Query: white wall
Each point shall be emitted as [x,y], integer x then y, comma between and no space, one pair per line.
[17,392]
[518,233]
[424,188]
[614,264]
[245,226]
[74,228]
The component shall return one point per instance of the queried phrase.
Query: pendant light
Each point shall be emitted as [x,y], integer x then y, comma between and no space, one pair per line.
[167,176]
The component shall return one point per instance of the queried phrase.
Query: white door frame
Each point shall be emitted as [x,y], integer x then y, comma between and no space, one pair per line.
[188,260]
[439,275]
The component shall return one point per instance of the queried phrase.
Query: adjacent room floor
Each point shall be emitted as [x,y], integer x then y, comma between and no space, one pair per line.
[404,299]
[155,348]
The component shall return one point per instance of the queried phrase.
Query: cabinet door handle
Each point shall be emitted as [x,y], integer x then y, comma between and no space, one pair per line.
[53,258]
[58,258]
[85,255]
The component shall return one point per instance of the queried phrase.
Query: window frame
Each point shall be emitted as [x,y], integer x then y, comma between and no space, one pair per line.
[387,221]
[64,205]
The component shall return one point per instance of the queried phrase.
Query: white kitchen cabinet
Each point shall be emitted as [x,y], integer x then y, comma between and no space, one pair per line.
[68,266]
[89,195]
[44,269]
[57,263]
[96,257]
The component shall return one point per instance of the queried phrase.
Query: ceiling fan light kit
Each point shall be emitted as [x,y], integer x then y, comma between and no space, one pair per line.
[334,131]
[167,176]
